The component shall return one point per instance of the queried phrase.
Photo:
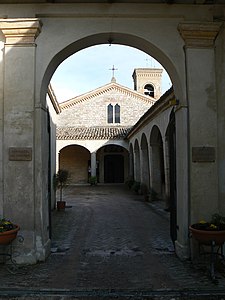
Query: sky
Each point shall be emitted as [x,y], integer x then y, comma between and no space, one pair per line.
[90,68]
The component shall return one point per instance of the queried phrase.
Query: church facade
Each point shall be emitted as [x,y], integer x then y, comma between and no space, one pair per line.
[91,128]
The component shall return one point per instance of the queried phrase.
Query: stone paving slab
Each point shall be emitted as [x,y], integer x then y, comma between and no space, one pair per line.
[110,239]
[109,294]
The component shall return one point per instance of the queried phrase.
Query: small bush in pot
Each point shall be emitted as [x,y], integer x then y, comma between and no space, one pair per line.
[61,180]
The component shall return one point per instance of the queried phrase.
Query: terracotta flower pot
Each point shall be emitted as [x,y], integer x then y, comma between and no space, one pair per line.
[207,236]
[7,237]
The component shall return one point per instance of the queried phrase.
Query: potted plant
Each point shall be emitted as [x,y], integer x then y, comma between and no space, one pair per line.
[8,231]
[136,187]
[129,182]
[207,232]
[61,180]
[93,180]
[144,191]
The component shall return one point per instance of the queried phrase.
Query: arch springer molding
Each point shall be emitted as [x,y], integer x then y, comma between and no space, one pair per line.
[20,31]
[199,35]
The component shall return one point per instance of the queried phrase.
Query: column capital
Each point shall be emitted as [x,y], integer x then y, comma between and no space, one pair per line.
[20,31]
[199,35]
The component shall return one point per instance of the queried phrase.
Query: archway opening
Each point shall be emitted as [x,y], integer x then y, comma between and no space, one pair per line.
[113,164]
[157,163]
[137,162]
[172,190]
[76,160]
[110,170]
[145,161]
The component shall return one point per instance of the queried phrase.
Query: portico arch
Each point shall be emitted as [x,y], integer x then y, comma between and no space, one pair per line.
[131,160]
[113,163]
[157,162]
[145,171]
[75,159]
[137,162]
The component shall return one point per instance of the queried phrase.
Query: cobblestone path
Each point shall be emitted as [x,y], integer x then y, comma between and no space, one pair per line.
[108,238]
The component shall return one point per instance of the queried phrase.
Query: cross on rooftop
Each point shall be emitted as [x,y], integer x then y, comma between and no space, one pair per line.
[113,70]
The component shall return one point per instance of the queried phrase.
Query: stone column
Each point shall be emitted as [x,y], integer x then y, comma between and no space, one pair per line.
[199,52]
[93,164]
[18,136]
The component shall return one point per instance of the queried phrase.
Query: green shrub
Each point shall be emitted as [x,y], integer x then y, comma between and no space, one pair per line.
[93,180]
[129,182]
[136,187]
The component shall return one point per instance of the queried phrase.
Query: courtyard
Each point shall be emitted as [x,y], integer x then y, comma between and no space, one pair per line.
[110,239]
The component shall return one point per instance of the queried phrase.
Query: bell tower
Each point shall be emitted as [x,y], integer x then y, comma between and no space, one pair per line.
[148,81]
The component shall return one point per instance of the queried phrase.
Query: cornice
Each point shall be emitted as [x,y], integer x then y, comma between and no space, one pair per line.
[20,31]
[103,90]
[199,35]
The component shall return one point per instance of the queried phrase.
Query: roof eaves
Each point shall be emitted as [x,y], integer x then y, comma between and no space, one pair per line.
[104,89]
[162,104]
[53,99]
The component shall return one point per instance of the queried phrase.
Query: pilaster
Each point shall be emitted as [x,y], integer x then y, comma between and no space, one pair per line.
[200,197]
[19,132]
[20,32]
[199,51]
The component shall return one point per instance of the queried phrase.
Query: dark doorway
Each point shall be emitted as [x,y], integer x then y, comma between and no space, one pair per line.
[114,168]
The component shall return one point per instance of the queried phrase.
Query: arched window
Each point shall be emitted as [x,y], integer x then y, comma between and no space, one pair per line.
[117,113]
[110,113]
[149,90]
[113,113]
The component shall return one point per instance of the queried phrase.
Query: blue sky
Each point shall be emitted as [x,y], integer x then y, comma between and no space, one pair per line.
[89,69]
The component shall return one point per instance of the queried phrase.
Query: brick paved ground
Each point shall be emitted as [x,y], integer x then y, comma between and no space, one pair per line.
[109,239]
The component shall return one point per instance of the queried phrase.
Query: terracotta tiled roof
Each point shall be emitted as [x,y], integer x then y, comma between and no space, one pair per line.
[91,133]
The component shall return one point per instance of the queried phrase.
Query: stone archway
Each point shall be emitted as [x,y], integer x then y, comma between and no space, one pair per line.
[131,160]
[157,162]
[145,171]
[113,164]
[75,159]
[48,60]
[137,162]
[127,37]
[37,46]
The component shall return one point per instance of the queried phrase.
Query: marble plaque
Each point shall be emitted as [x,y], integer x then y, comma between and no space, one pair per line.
[203,154]
[19,153]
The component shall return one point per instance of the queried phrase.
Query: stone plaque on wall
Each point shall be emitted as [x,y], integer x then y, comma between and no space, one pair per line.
[19,153]
[203,154]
